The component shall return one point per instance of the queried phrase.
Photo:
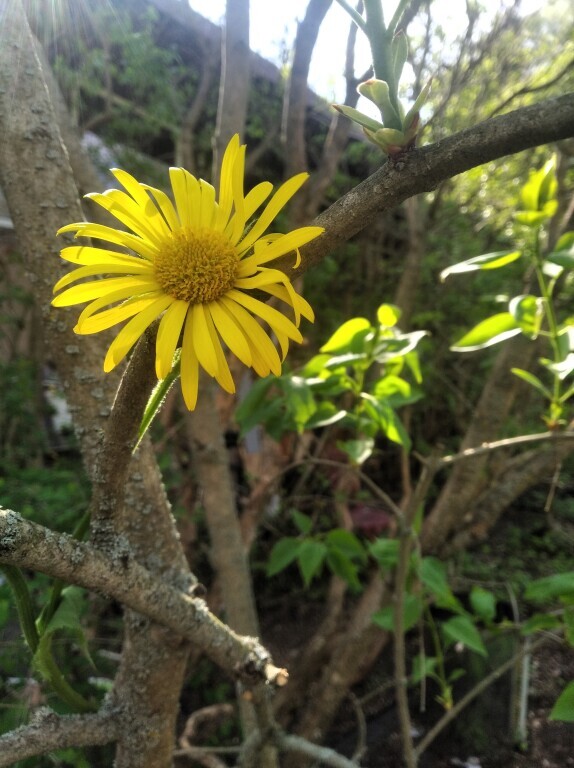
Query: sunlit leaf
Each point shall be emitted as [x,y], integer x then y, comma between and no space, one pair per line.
[493,260]
[528,311]
[388,315]
[490,331]
[352,331]
[534,381]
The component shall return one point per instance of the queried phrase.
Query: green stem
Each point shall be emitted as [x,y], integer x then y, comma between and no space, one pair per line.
[24,605]
[54,601]
[546,293]
[439,657]
[380,39]
[46,662]
[398,15]
[355,15]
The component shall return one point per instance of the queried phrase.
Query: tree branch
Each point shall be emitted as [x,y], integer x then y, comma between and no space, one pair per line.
[48,731]
[29,545]
[422,170]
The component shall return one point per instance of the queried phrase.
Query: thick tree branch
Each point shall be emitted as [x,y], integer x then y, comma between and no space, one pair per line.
[48,731]
[29,545]
[424,169]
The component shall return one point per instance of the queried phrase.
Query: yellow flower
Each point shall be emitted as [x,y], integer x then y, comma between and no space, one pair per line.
[194,264]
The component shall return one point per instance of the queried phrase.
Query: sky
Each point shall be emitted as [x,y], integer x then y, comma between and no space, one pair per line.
[273,26]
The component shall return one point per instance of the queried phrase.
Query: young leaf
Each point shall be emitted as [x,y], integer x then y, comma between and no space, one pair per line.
[303,522]
[342,339]
[310,557]
[490,331]
[460,629]
[343,567]
[346,542]
[385,552]
[423,666]
[551,587]
[388,315]
[412,611]
[483,603]
[535,382]
[283,553]
[358,451]
[528,311]
[564,707]
[493,260]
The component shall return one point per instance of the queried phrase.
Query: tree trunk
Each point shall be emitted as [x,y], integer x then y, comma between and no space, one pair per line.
[37,179]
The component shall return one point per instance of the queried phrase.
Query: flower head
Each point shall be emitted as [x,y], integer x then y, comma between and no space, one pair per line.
[195,264]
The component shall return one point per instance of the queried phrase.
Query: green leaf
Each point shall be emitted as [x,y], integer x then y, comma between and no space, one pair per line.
[283,554]
[460,629]
[325,414]
[564,707]
[68,617]
[493,260]
[358,451]
[490,331]
[423,666]
[535,382]
[412,611]
[347,336]
[303,522]
[310,557]
[483,603]
[400,345]
[399,52]
[385,552]
[388,315]
[358,117]
[562,369]
[528,312]
[299,400]
[254,409]
[565,242]
[343,567]
[531,218]
[396,391]
[564,258]
[539,189]
[538,622]
[551,587]
[346,542]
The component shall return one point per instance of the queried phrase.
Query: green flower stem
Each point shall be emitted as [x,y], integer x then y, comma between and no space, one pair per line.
[50,608]
[57,680]
[24,605]
[441,674]
[546,293]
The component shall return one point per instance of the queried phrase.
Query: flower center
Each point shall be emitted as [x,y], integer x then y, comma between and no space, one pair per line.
[196,266]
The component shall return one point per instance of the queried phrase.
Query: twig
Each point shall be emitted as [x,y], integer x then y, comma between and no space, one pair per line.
[48,731]
[323,755]
[449,716]
[30,545]
[361,747]
[508,442]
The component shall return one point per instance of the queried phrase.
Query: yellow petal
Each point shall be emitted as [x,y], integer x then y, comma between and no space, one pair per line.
[299,304]
[223,375]
[133,187]
[225,197]
[189,366]
[88,291]
[97,269]
[187,196]
[208,205]
[165,206]
[146,222]
[86,255]
[289,242]
[202,340]
[277,202]
[259,342]
[132,331]
[101,232]
[230,332]
[168,336]
[239,219]
[104,320]
[112,298]
[271,316]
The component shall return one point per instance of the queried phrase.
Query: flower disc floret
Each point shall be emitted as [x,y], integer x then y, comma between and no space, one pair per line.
[193,264]
[196,267]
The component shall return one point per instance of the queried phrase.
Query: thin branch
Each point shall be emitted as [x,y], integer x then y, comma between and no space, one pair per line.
[449,716]
[422,170]
[48,731]
[526,89]
[320,754]
[355,15]
[118,576]
[508,442]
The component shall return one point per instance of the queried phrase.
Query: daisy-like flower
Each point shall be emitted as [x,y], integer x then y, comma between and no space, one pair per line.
[195,264]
